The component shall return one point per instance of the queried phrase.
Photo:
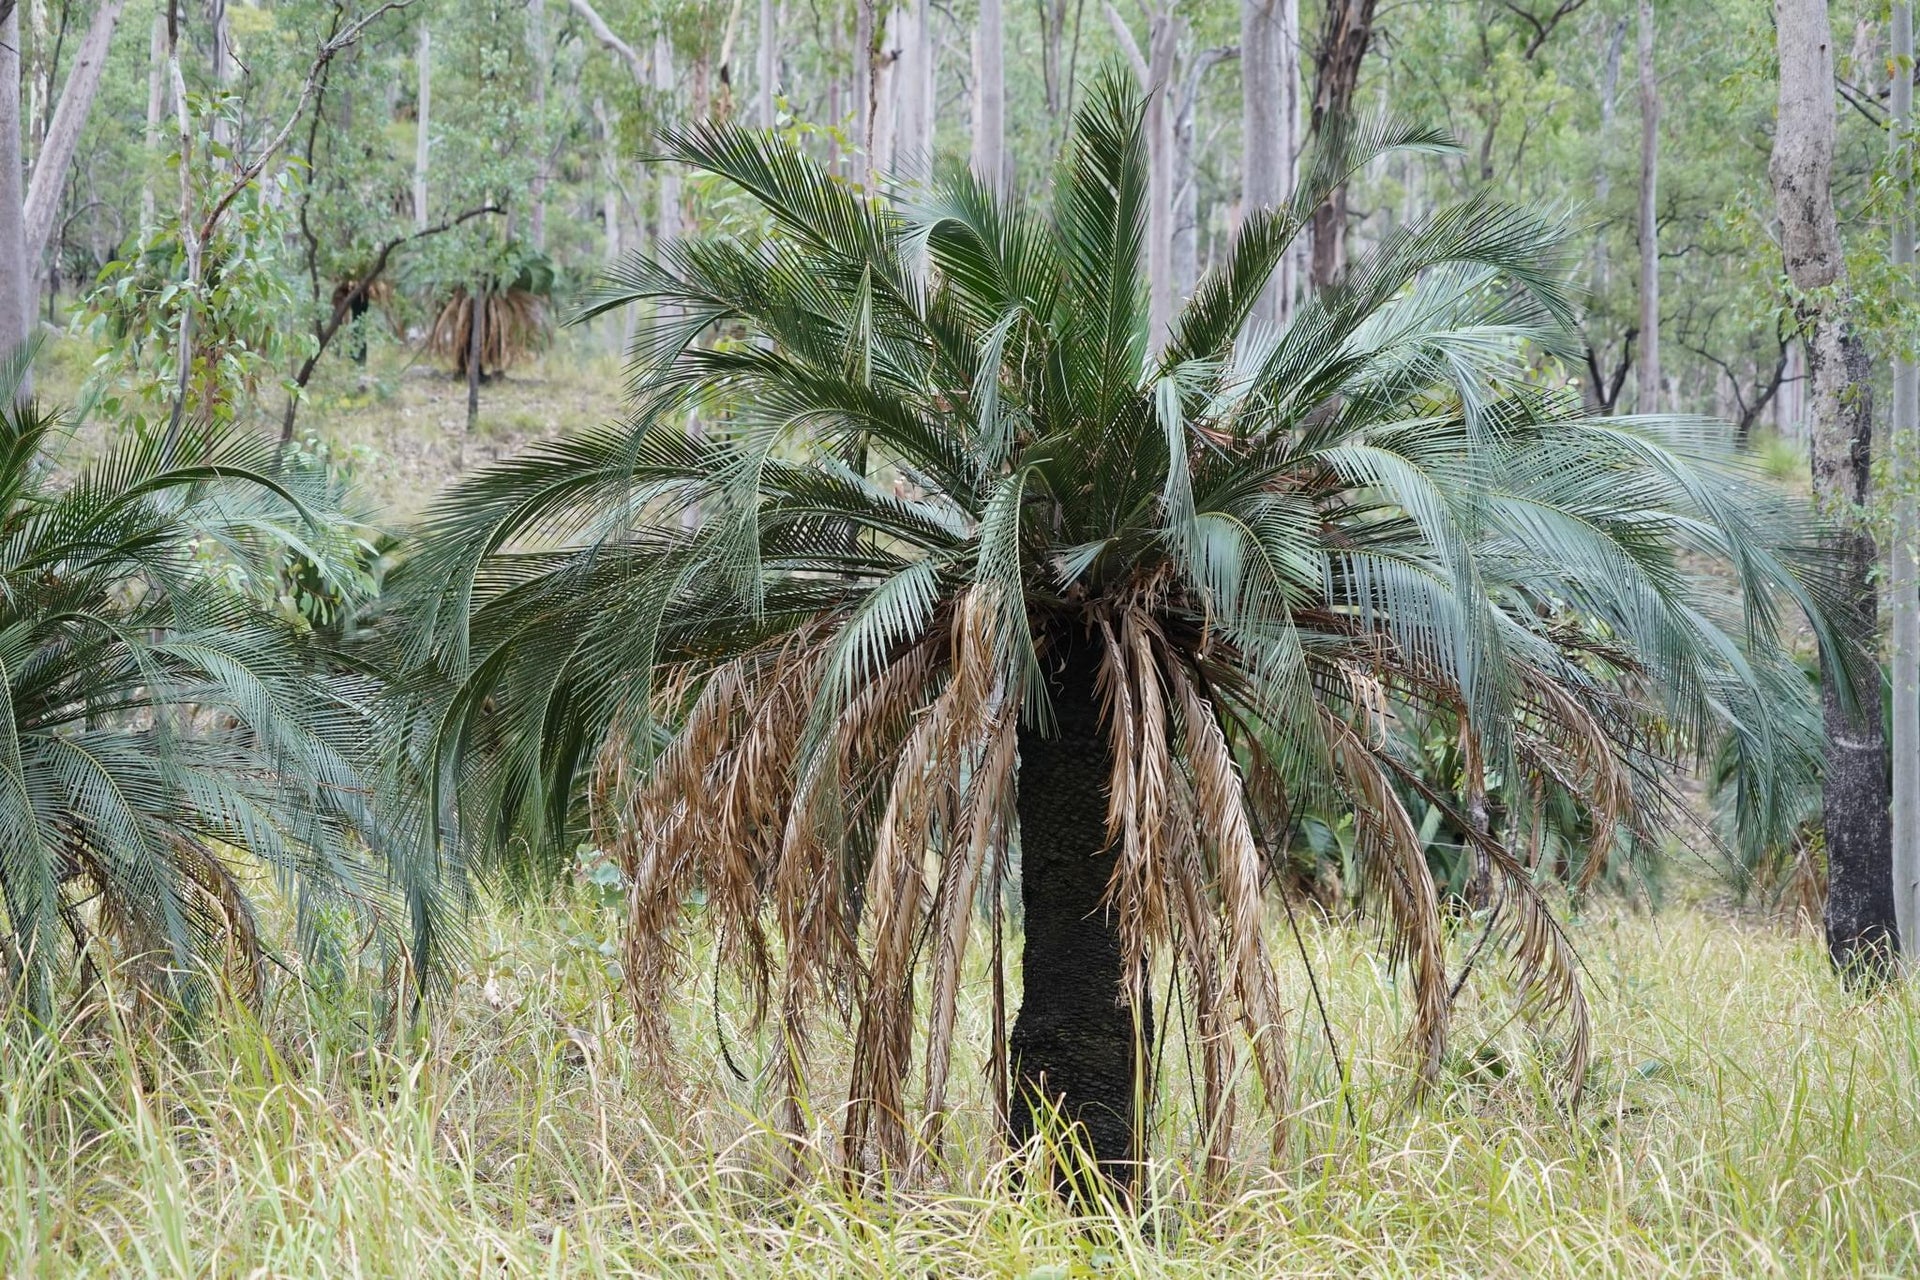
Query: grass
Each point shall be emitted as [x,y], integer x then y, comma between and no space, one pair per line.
[1746,1117]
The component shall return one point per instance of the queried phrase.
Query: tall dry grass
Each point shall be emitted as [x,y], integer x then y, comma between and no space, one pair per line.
[1744,1118]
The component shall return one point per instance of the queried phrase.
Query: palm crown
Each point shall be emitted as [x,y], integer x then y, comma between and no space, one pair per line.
[165,738]
[962,558]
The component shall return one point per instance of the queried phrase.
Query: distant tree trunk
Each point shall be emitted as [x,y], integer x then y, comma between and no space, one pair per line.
[1603,181]
[63,131]
[1075,1044]
[1154,71]
[476,351]
[542,70]
[225,68]
[16,296]
[1647,388]
[422,138]
[1861,928]
[1346,31]
[1269,124]
[156,102]
[609,165]
[767,56]
[1186,187]
[990,98]
[865,87]
[1904,593]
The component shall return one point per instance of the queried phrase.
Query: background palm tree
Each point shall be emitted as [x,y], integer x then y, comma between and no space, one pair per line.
[981,565]
[166,737]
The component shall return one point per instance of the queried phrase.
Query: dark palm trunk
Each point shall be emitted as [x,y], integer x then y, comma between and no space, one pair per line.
[1074,1043]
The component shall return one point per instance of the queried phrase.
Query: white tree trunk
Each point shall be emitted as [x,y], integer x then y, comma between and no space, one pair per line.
[866,96]
[156,103]
[542,69]
[1904,602]
[1266,172]
[668,228]
[886,98]
[15,294]
[990,98]
[225,67]
[1162,42]
[63,133]
[422,138]
[1647,398]
[768,59]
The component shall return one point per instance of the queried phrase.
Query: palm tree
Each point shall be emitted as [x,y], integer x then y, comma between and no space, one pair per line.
[165,737]
[966,567]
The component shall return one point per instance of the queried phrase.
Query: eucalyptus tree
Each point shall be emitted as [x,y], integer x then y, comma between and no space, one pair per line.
[966,573]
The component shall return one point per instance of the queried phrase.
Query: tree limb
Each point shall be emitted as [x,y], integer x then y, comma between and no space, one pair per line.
[605,35]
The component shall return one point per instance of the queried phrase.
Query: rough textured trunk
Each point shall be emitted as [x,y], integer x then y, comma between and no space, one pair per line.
[990,98]
[865,88]
[1346,31]
[1903,601]
[15,295]
[1647,397]
[1075,1045]
[63,132]
[422,144]
[1861,929]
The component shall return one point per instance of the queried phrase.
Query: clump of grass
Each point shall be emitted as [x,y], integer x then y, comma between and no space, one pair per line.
[1746,1117]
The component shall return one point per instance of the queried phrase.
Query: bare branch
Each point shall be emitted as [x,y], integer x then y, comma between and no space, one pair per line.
[606,36]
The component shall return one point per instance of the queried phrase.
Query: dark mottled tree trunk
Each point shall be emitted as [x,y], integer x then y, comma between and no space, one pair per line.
[1346,31]
[1075,1044]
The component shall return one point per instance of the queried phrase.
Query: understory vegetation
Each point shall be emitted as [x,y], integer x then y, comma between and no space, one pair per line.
[1741,1119]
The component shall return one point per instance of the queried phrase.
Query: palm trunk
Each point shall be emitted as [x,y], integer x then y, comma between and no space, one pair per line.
[1076,1046]
[1861,928]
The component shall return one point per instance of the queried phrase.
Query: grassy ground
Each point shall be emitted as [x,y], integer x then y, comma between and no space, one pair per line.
[1745,1117]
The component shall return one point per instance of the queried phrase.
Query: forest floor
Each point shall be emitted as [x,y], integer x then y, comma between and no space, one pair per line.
[1744,1117]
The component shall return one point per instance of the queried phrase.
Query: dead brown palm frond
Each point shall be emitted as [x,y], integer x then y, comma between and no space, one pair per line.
[1220,811]
[514,326]
[1395,864]
[1545,967]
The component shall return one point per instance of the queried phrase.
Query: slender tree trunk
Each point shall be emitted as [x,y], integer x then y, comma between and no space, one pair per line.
[225,68]
[16,296]
[1076,1046]
[1647,389]
[63,132]
[865,88]
[422,137]
[1346,32]
[476,351]
[1904,602]
[767,57]
[156,103]
[667,229]
[990,98]
[542,71]
[1861,928]
[1263,143]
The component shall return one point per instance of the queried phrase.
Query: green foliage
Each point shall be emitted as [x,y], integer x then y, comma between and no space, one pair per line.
[167,745]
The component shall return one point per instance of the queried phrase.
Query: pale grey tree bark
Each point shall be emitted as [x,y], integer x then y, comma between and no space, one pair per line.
[156,104]
[1186,187]
[542,70]
[1154,71]
[1904,590]
[1647,385]
[16,296]
[767,60]
[1860,923]
[63,132]
[422,126]
[1270,128]
[990,97]
[225,66]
